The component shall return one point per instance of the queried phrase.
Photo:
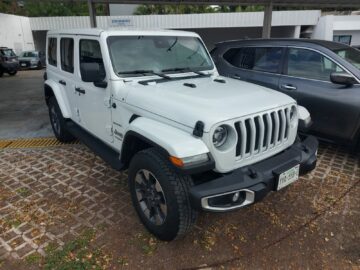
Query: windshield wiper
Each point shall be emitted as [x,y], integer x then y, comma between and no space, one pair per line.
[184,69]
[144,72]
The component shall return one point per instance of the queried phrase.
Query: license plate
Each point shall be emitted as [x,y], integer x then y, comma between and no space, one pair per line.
[288,177]
[23,65]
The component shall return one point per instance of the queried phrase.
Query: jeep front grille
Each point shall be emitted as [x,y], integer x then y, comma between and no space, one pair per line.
[262,132]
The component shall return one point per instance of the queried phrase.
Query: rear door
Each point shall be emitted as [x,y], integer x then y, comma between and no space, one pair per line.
[260,65]
[307,79]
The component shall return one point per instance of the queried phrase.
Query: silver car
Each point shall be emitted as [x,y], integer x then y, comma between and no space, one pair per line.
[32,60]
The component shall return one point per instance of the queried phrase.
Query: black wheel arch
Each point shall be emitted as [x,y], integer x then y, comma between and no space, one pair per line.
[48,93]
[133,143]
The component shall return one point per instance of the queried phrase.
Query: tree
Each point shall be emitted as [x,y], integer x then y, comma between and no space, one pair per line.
[45,8]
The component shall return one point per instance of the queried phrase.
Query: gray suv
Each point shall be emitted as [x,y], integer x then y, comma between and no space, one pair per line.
[322,76]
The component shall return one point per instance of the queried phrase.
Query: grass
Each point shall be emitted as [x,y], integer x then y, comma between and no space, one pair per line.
[78,254]
[24,192]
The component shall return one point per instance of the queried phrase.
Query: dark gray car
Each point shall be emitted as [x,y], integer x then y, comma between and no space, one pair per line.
[322,76]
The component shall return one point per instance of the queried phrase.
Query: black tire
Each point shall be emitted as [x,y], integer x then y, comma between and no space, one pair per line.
[12,73]
[58,122]
[1,73]
[180,216]
[39,66]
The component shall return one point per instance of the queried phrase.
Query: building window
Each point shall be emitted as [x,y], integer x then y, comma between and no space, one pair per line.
[52,51]
[346,39]
[67,54]
[258,59]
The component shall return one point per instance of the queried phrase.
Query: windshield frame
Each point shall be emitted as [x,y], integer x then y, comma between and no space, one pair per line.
[201,43]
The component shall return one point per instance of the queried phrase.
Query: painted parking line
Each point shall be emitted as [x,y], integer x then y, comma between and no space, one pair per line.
[32,143]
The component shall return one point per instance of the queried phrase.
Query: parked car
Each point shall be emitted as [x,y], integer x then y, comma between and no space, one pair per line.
[322,76]
[152,102]
[32,59]
[8,61]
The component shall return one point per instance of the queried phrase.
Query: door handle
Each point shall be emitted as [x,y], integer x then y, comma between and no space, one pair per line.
[80,90]
[289,87]
[62,82]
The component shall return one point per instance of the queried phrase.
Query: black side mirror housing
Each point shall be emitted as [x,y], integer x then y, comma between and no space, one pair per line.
[342,78]
[91,72]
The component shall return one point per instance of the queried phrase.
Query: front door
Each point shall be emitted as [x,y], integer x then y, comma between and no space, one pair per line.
[93,103]
[307,79]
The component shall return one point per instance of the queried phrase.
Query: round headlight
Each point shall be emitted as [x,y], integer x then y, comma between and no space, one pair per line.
[293,113]
[220,135]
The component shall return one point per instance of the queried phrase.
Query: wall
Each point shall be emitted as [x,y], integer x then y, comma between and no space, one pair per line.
[15,33]
[331,25]
[212,36]
[122,9]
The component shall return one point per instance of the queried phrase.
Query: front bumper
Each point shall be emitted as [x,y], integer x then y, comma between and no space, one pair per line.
[9,67]
[255,181]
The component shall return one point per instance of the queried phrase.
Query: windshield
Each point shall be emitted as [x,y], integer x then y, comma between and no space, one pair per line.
[351,55]
[7,52]
[157,54]
[29,54]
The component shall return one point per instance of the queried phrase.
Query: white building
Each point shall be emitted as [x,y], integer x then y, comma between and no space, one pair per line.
[23,33]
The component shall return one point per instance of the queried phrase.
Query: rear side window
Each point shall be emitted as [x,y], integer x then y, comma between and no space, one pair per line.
[52,51]
[255,58]
[90,52]
[67,54]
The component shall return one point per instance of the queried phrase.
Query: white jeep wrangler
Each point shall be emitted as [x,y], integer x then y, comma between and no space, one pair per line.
[153,102]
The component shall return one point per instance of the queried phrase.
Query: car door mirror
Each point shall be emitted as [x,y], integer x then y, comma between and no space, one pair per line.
[342,78]
[91,72]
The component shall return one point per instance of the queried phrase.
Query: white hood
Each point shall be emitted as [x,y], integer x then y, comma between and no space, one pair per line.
[210,102]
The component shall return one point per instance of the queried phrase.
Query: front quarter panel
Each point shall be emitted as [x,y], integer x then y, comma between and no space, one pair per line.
[176,142]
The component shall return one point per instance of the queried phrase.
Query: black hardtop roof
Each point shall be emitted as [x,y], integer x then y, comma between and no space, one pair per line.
[290,41]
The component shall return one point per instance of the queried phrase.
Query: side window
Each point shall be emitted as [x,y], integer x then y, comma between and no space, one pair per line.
[310,65]
[52,51]
[255,58]
[90,52]
[67,54]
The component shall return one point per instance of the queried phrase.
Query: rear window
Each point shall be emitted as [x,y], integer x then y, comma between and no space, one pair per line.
[52,51]
[67,54]
[255,58]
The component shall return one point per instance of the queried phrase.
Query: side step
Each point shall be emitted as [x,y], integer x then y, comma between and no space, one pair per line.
[104,151]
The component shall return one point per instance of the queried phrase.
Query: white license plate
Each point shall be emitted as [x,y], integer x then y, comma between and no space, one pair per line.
[288,177]
[23,65]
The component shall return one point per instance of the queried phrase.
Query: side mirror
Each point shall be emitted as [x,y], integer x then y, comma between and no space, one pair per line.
[342,78]
[91,72]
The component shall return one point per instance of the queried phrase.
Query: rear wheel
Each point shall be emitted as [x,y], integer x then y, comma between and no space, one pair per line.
[160,195]
[1,73]
[12,73]
[58,122]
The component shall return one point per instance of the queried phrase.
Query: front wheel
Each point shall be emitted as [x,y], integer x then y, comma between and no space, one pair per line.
[160,195]
[39,66]
[12,73]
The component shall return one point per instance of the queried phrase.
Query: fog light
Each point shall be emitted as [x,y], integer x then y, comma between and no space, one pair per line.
[236,197]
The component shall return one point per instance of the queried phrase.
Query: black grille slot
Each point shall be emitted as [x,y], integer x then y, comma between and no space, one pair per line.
[248,135]
[257,134]
[272,116]
[238,145]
